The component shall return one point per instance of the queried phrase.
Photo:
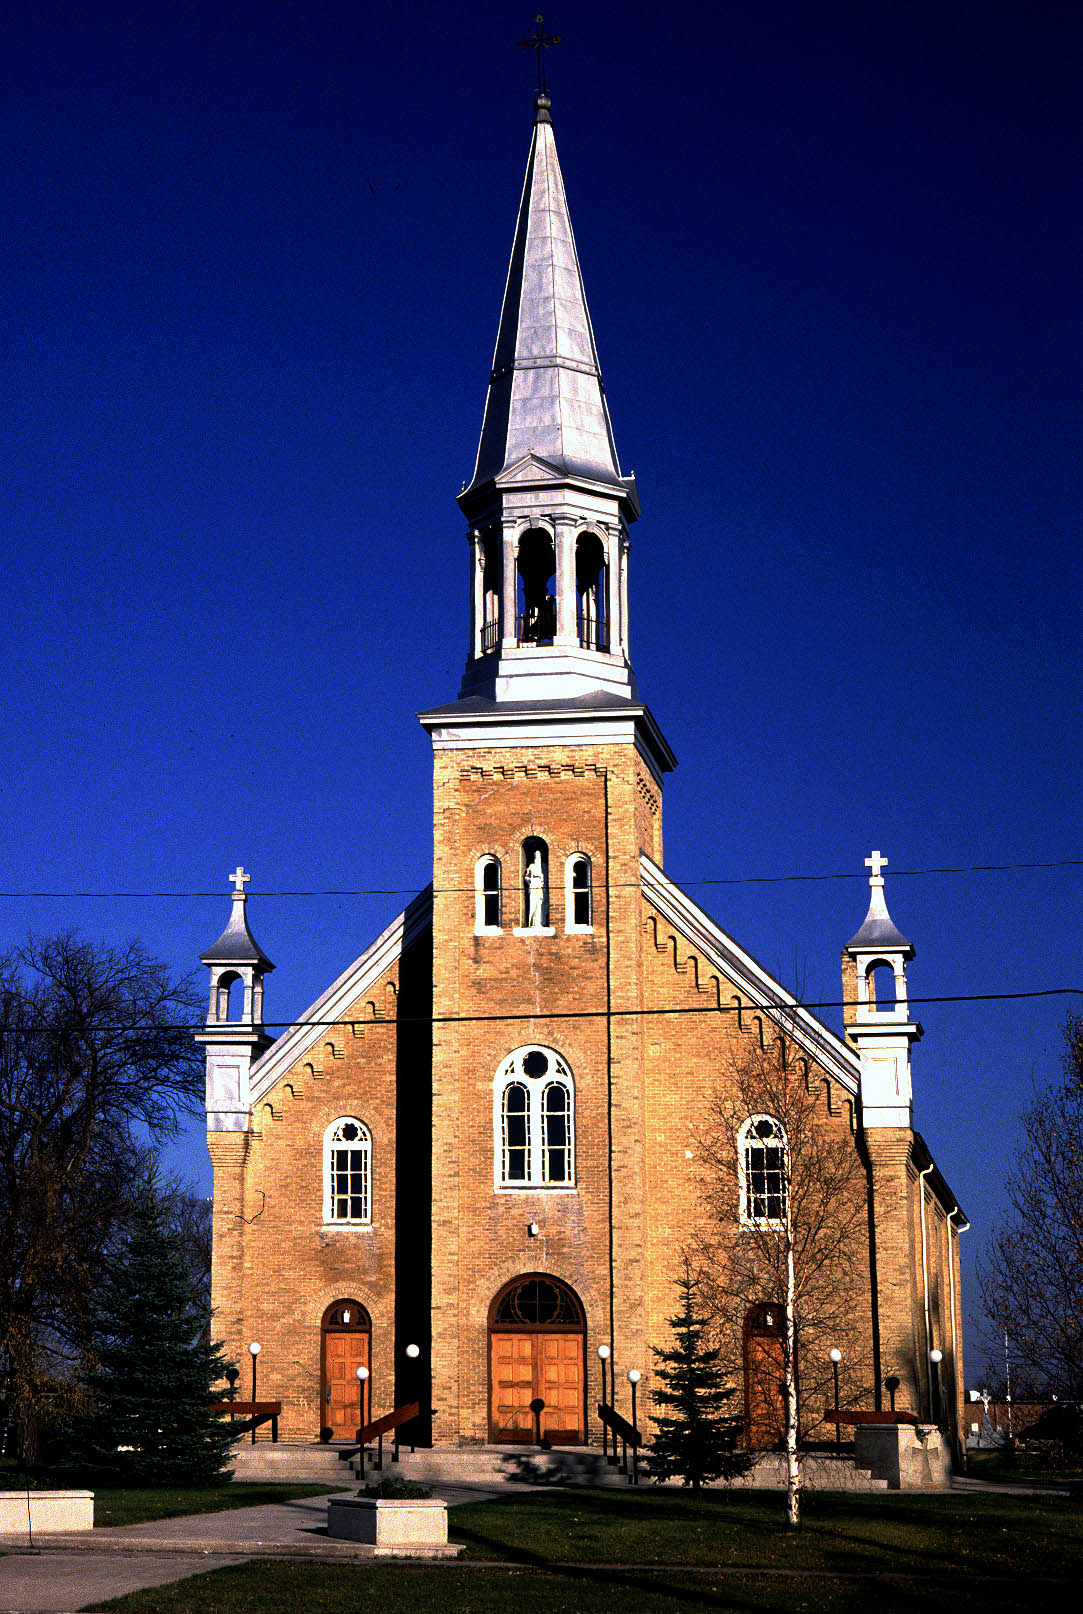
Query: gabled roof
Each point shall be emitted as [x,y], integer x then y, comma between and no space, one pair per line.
[341,996]
[545,391]
[748,976]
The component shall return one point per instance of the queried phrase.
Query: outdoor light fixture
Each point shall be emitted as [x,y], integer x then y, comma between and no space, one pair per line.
[634,1376]
[413,1351]
[362,1373]
[603,1357]
[935,1359]
[836,1357]
[253,1351]
[533,1229]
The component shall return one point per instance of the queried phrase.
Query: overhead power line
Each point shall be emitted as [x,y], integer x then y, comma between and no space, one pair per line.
[615,885]
[567,1014]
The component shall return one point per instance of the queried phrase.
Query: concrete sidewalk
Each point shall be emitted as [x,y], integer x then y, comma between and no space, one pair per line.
[63,1573]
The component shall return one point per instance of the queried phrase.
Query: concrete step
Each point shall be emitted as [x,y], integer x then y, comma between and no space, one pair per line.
[497,1466]
[288,1460]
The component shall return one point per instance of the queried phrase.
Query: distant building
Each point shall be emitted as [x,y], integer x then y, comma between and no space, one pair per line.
[475,1142]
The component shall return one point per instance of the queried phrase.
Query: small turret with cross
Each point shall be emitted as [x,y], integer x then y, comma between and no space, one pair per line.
[234,1036]
[877,1015]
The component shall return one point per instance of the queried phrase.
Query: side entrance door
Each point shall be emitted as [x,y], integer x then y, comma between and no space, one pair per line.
[346,1342]
[765,1406]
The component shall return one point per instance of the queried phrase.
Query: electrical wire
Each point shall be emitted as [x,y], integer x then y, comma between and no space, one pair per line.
[406,891]
[561,1014]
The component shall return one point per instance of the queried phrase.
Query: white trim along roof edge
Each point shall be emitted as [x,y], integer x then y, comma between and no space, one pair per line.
[742,969]
[342,994]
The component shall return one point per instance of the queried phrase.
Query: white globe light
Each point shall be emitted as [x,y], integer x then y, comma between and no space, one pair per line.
[412,1351]
[835,1354]
[936,1356]
[634,1375]
[255,1348]
[362,1373]
[603,1352]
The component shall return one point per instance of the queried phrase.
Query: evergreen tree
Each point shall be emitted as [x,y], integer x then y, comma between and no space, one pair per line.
[156,1368]
[696,1439]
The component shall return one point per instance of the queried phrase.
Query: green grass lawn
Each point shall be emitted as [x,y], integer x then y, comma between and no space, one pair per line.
[600,1550]
[115,1504]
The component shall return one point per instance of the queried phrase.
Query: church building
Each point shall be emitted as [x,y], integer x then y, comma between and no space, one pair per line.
[473,1161]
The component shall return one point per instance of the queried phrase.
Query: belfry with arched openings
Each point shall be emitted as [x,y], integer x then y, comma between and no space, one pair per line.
[478,1158]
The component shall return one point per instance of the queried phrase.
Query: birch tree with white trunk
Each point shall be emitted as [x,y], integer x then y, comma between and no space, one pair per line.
[784,1236]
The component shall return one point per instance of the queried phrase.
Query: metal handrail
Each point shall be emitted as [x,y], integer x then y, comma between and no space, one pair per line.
[628,1435]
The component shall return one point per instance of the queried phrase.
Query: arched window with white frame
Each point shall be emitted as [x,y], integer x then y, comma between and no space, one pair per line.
[347,1173]
[534,1121]
[762,1170]
[578,896]
[488,896]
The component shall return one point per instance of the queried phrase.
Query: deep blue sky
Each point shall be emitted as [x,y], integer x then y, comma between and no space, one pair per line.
[253,262]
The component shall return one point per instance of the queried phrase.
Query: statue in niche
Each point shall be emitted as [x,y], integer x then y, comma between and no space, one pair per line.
[535,892]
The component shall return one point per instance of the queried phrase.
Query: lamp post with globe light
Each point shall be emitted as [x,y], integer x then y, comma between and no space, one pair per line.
[634,1376]
[253,1351]
[603,1357]
[836,1357]
[935,1359]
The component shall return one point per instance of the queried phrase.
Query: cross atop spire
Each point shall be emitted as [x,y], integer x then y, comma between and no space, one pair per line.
[540,42]
[879,929]
[239,880]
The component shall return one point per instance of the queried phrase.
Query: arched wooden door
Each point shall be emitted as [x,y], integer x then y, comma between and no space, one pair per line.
[536,1354]
[345,1346]
[765,1403]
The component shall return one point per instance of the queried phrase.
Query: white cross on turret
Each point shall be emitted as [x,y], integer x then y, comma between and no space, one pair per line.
[240,879]
[877,862]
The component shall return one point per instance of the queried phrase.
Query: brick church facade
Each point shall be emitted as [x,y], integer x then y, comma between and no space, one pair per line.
[474,1159]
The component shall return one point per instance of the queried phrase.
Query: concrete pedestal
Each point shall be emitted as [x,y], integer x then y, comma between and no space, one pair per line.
[45,1512]
[911,1457]
[411,1525]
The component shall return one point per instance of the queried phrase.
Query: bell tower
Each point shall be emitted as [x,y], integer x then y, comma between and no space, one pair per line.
[233,1036]
[547,788]
[547,506]
[878,1018]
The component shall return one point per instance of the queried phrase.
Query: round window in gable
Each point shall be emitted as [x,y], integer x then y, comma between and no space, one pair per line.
[535,1063]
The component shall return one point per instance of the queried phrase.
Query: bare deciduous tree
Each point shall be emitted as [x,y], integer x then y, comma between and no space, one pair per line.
[1032,1272]
[784,1247]
[96,1064]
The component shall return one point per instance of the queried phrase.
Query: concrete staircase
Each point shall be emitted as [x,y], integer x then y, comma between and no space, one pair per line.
[494,1467]
[497,1466]
[287,1461]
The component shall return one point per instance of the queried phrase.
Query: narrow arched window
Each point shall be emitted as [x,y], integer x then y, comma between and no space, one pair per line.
[534,1121]
[487,893]
[535,884]
[763,1161]
[347,1172]
[578,906]
[516,1133]
[556,1132]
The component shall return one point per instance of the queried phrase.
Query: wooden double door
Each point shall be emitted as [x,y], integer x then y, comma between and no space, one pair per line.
[346,1343]
[544,1365]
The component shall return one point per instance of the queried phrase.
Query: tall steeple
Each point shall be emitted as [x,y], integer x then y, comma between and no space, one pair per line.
[548,506]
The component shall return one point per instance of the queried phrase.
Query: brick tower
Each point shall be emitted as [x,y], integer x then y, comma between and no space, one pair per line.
[548,783]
